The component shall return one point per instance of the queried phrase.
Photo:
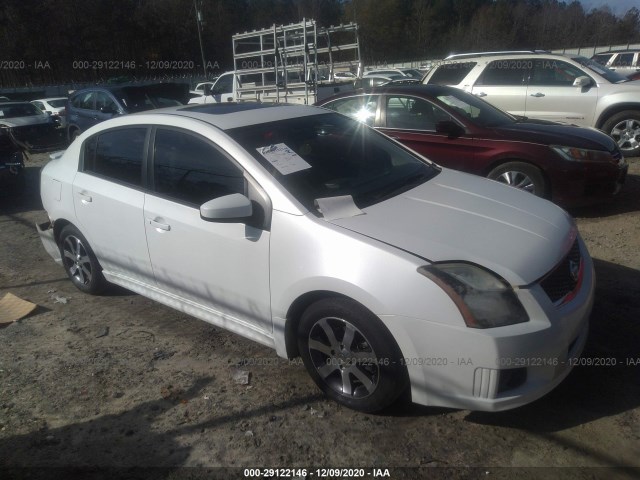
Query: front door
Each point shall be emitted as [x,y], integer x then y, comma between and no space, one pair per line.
[220,269]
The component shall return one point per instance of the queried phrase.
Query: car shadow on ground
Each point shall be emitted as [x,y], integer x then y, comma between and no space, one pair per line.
[29,200]
[628,201]
[123,445]
[607,379]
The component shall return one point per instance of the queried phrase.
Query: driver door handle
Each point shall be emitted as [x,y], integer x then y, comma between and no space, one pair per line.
[161,226]
[480,94]
[537,95]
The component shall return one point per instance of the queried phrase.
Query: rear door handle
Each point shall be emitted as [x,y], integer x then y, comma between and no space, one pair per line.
[537,95]
[161,226]
[84,198]
[480,94]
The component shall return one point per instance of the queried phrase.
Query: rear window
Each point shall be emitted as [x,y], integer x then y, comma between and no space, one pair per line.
[451,73]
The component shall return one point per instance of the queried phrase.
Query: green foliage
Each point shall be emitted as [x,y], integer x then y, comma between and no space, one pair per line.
[61,32]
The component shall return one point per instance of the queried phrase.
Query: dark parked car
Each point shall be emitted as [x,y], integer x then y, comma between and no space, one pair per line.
[12,180]
[34,130]
[90,106]
[568,164]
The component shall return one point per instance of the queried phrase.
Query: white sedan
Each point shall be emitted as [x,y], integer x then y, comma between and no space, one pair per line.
[56,107]
[311,233]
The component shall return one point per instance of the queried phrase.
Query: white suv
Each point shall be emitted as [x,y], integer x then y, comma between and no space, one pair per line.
[541,85]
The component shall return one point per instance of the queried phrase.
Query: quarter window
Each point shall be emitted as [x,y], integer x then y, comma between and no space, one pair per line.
[117,155]
[191,170]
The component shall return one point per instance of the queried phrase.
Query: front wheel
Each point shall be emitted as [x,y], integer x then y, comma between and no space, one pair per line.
[624,128]
[351,355]
[521,175]
[79,261]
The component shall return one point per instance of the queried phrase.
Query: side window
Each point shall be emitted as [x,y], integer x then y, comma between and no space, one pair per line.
[623,60]
[104,101]
[603,58]
[192,170]
[223,85]
[451,73]
[362,109]
[84,100]
[116,155]
[413,113]
[39,105]
[554,73]
[512,72]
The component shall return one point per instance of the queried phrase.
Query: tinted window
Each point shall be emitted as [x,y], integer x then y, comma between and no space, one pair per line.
[117,155]
[104,101]
[192,170]
[223,85]
[58,103]
[413,113]
[84,100]
[512,72]
[602,58]
[554,73]
[623,60]
[451,73]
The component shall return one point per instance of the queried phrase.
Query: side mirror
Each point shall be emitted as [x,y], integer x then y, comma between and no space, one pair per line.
[582,82]
[234,207]
[450,128]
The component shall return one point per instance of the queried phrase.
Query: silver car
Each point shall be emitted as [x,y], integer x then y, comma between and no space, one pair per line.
[309,232]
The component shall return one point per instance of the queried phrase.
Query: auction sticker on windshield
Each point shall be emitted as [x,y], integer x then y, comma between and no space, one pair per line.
[283,158]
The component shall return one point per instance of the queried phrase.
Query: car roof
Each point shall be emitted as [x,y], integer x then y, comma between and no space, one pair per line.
[419,89]
[628,50]
[48,99]
[232,115]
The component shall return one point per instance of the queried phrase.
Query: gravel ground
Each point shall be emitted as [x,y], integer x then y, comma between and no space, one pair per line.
[121,383]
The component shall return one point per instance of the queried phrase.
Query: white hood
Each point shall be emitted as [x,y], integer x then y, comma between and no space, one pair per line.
[456,216]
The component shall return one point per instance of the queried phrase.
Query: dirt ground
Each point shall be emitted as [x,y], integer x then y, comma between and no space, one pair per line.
[123,384]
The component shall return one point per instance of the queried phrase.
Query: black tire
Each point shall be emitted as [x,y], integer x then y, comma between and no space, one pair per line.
[521,175]
[624,128]
[365,372]
[79,261]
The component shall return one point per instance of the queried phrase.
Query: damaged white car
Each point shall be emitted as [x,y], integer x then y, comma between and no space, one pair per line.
[311,233]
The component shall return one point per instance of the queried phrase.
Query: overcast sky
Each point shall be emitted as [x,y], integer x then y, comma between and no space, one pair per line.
[618,7]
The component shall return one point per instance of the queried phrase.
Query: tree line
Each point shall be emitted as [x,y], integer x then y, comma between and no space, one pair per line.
[49,42]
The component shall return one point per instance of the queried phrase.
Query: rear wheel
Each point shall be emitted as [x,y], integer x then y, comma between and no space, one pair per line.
[521,175]
[79,261]
[351,355]
[624,128]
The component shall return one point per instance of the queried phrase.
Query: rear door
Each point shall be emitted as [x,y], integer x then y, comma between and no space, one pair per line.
[108,198]
[503,83]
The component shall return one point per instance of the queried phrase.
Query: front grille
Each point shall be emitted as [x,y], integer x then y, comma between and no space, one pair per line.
[564,279]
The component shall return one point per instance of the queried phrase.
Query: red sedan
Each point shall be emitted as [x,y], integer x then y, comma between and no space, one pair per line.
[570,165]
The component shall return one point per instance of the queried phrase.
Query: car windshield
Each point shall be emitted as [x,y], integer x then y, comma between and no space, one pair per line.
[330,155]
[15,110]
[601,70]
[57,103]
[475,109]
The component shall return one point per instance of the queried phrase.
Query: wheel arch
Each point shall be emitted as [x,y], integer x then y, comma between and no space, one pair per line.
[615,109]
[294,314]
[502,161]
